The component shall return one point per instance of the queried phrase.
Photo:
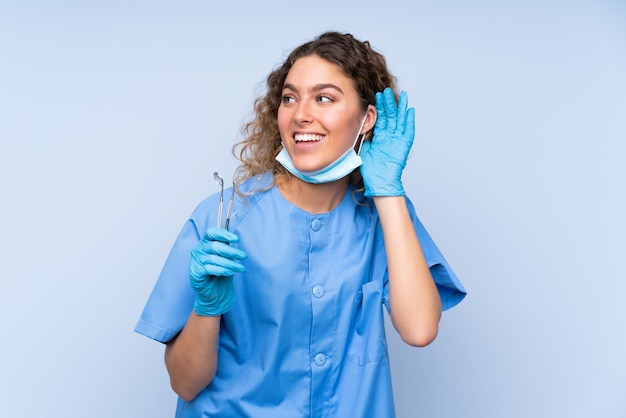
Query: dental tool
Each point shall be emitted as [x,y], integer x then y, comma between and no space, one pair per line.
[219,181]
[230,206]
[218,178]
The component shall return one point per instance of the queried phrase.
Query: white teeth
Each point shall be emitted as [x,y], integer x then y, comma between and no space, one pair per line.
[308,137]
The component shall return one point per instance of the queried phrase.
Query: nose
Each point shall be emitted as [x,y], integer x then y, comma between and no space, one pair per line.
[303,115]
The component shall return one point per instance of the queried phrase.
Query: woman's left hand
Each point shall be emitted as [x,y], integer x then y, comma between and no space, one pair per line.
[384,157]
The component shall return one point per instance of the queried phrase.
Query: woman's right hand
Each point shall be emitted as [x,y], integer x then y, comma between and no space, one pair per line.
[213,263]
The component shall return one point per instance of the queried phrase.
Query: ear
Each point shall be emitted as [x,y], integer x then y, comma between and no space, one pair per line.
[370,120]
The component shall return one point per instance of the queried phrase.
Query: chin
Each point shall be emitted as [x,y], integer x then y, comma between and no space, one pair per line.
[307,168]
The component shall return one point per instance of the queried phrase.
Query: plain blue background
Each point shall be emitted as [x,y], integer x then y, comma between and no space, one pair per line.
[114,114]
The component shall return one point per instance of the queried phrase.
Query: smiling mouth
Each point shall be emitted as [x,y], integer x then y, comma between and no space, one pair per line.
[308,137]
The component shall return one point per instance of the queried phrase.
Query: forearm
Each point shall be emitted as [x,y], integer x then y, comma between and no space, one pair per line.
[191,358]
[415,304]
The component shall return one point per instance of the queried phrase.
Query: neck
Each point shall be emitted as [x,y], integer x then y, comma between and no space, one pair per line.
[312,198]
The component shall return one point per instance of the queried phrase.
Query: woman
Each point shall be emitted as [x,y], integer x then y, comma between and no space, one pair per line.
[280,315]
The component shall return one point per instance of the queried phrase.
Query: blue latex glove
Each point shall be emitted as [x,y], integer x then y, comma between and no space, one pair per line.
[211,269]
[384,157]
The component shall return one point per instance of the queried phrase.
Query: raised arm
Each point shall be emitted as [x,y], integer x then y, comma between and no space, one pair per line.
[415,306]
[413,297]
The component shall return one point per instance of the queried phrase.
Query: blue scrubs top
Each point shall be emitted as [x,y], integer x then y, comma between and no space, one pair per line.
[305,337]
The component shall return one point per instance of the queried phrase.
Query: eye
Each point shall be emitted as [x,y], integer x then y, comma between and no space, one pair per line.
[324,98]
[286,99]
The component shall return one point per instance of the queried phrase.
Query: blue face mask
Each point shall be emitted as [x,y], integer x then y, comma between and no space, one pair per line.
[336,170]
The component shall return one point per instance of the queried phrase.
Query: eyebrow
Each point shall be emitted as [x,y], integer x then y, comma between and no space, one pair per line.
[316,87]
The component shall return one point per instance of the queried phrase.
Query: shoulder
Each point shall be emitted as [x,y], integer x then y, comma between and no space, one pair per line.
[256,184]
[250,190]
[251,195]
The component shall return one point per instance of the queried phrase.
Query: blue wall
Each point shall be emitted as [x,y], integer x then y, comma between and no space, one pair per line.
[114,115]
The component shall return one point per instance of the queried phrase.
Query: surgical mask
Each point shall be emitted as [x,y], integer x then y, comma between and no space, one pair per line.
[336,170]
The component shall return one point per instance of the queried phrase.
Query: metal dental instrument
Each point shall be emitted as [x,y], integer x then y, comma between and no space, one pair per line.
[219,181]
[230,206]
[218,178]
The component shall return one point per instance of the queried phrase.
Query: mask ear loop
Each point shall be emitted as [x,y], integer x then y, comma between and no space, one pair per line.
[361,135]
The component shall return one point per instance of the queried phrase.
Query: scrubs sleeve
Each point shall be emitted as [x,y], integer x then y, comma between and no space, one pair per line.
[451,291]
[171,301]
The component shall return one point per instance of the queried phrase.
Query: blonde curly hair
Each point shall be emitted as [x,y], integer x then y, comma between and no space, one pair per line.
[357,60]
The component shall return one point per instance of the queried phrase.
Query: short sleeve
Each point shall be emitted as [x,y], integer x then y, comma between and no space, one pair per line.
[449,286]
[451,291]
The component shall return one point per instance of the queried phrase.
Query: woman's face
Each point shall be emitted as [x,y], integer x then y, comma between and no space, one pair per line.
[319,115]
